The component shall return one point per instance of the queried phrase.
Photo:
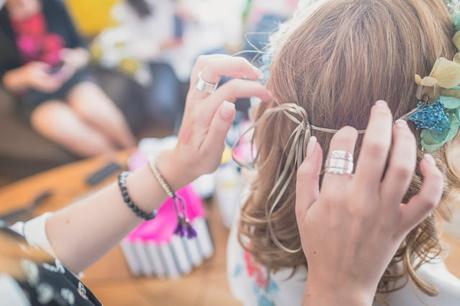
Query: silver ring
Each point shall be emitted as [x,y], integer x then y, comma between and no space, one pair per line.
[205,86]
[340,154]
[340,162]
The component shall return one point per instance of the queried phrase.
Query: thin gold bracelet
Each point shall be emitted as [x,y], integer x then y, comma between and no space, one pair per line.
[161,180]
[184,227]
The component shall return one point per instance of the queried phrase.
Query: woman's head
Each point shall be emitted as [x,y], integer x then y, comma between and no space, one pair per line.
[335,58]
[141,7]
[22,9]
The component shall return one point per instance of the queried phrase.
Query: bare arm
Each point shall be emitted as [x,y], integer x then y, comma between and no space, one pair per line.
[33,75]
[13,80]
[85,231]
[82,233]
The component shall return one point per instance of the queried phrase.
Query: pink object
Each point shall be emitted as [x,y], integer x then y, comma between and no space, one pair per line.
[161,229]
[27,45]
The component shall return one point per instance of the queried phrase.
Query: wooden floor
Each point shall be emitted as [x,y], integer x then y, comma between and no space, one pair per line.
[110,279]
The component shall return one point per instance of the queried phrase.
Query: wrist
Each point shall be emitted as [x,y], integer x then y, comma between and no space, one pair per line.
[173,170]
[320,293]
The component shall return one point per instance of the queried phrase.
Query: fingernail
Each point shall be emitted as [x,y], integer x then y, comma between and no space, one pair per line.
[227,110]
[311,146]
[401,123]
[381,103]
[429,158]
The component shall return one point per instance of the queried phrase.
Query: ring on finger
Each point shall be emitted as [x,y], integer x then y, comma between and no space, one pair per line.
[205,86]
[340,162]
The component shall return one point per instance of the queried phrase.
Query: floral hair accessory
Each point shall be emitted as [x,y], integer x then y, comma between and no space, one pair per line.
[439,122]
[431,117]
[437,115]
[438,112]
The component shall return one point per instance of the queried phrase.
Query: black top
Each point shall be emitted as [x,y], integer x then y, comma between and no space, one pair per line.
[51,284]
[58,21]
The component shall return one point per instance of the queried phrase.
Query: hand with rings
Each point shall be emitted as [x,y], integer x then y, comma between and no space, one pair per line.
[209,113]
[352,228]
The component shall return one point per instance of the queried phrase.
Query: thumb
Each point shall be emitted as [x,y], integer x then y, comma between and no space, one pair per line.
[308,178]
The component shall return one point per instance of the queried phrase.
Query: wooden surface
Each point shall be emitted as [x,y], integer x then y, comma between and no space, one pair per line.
[110,279]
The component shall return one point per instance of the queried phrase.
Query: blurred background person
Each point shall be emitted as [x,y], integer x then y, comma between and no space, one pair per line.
[145,30]
[157,42]
[43,64]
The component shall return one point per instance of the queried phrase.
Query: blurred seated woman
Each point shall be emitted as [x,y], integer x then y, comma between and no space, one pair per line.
[43,64]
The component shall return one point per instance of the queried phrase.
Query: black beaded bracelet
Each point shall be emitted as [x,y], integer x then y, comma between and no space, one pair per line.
[122,184]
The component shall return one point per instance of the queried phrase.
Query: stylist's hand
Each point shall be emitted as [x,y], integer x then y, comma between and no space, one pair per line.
[208,117]
[352,228]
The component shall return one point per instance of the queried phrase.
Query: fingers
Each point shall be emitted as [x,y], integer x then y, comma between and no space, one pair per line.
[213,67]
[40,65]
[402,164]
[375,148]
[234,67]
[344,140]
[214,143]
[236,89]
[47,84]
[231,91]
[308,176]
[421,205]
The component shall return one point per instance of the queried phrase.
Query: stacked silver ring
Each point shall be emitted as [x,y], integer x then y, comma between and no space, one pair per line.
[205,86]
[340,162]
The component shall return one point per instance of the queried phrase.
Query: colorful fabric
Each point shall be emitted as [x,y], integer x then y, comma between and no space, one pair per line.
[35,43]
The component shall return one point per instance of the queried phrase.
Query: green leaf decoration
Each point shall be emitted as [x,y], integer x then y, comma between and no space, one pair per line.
[456,20]
[432,141]
[454,127]
[431,148]
[450,102]
[456,113]
[432,137]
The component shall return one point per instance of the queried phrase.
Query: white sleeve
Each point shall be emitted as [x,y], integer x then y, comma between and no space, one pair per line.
[11,293]
[34,231]
[436,274]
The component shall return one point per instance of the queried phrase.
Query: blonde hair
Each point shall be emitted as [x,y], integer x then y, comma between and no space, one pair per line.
[335,59]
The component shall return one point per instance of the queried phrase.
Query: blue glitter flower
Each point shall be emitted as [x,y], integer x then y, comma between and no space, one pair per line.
[456,20]
[431,117]
[439,122]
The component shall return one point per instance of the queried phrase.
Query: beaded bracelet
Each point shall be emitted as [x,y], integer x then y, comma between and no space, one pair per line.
[122,184]
[184,227]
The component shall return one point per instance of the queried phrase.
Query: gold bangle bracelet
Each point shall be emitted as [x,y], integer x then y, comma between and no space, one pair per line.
[159,177]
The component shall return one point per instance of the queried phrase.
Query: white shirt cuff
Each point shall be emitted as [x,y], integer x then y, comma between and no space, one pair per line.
[34,231]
